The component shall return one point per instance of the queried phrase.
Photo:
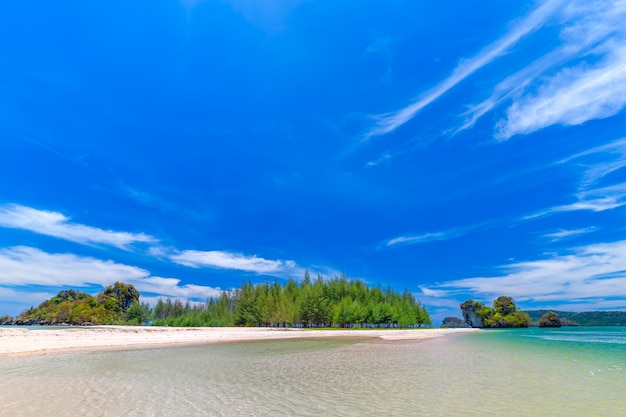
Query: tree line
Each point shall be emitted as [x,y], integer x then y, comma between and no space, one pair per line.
[315,303]
[337,302]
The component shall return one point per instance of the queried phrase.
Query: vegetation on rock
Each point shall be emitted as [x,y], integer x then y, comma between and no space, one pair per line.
[503,314]
[76,307]
[550,319]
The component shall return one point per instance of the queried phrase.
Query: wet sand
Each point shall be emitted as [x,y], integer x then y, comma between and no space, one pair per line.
[25,341]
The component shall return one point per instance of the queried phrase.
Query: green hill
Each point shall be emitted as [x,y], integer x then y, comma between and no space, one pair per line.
[586,318]
[76,307]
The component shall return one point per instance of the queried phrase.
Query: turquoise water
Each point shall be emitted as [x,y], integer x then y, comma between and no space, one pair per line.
[529,372]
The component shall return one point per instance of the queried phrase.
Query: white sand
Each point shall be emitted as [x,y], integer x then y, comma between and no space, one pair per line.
[23,341]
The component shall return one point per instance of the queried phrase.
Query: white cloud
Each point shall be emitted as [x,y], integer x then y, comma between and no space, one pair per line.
[24,298]
[512,86]
[435,236]
[613,159]
[572,97]
[228,260]
[55,224]
[171,288]
[24,266]
[589,275]
[564,234]
[597,200]
[422,238]
[593,88]
[389,122]
[597,164]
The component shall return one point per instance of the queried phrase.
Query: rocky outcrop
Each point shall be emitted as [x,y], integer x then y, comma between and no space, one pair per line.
[470,315]
[453,322]
[550,319]
[504,314]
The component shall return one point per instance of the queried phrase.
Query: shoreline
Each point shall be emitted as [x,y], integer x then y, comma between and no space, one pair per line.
[26,342]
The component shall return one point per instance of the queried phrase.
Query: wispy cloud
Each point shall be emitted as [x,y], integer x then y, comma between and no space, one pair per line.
[412,239]
[229,260]
[24,266]
[421,238]
[389,122]
[597,200]
[384,158]
[572,97]
[590,274]
[565,234]
[613,158]
[597,163]
[511,87]
[56,224]
[592,86]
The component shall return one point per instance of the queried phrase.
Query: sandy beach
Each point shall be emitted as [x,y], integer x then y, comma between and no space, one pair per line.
[24,341]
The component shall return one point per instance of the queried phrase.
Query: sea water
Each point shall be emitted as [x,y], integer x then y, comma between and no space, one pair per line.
[527,372]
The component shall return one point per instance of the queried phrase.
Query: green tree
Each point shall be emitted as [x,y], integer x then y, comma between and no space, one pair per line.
[504,305]
[550,319]
[137,313]
[119,296]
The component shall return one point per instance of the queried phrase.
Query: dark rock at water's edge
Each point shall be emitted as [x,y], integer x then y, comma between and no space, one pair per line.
[11,321]
[453,322]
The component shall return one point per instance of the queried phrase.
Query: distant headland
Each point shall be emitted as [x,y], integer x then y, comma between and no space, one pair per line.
[504,314]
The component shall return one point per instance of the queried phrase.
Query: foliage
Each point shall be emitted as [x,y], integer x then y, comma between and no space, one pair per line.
[504,305]
[338,302]
[550,319]
[118,297]
[587,318]
[503,314]
[76,307]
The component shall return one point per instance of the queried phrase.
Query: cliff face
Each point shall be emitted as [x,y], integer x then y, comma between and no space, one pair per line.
[470,316]
[503,315]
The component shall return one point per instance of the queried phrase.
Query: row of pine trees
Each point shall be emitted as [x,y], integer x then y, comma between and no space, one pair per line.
[337,302]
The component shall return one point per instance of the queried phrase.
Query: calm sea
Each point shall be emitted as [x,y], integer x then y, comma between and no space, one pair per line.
[530,372]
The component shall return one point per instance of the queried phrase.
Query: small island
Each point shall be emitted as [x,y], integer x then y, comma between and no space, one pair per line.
[550,319]
[504,314]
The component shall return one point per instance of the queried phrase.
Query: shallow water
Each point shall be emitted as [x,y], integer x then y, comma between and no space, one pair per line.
[533,372]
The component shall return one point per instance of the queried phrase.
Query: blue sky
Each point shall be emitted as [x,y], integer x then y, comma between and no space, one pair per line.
[456,149]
